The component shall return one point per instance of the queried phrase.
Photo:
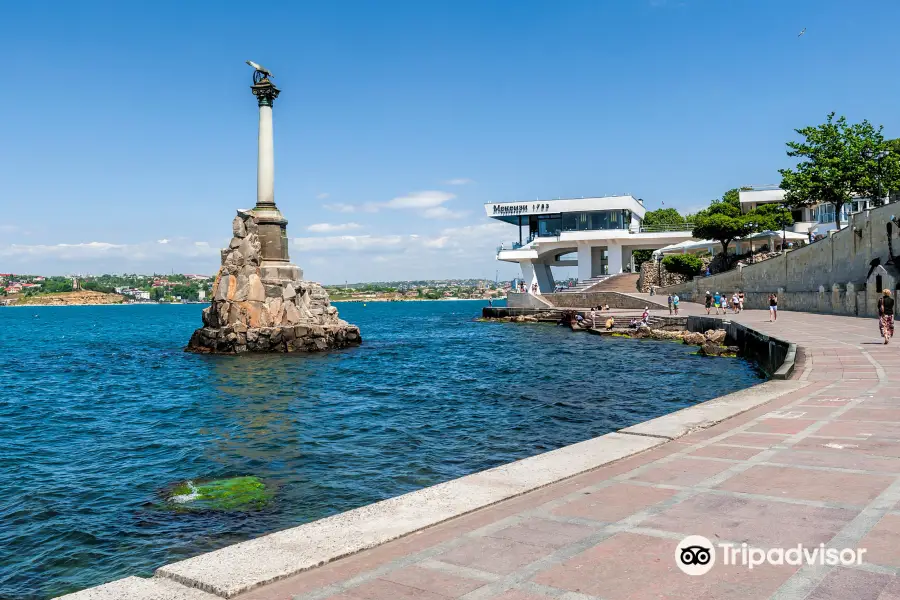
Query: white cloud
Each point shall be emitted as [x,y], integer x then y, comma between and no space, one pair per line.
[162,241]
[322,196]
[350,243]
[99,256]
[470,240]
[426,199]
[341,207]
[460,181]
[329,227]
[442,212]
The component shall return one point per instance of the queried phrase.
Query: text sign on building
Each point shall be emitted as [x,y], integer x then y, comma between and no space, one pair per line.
[518,209]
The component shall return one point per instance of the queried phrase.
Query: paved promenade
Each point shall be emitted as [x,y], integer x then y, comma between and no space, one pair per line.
[819,465]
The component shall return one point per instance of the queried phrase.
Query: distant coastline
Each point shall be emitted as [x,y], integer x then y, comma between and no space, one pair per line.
[365,300]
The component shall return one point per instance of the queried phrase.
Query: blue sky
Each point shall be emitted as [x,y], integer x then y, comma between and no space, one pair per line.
[129,131]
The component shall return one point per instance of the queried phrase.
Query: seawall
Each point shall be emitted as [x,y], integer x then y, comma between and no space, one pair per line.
[828,276]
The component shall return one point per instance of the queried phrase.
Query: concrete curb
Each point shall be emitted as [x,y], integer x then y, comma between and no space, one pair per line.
[787,367]
[247,565]
[712,412]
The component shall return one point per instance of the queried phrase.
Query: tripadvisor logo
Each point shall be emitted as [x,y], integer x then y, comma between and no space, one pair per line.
[696,555]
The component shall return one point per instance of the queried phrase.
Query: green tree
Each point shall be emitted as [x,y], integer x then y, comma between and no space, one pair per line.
[840,160]
[640,257]
[684,264]
[662,217]
[770,217]
[721,227]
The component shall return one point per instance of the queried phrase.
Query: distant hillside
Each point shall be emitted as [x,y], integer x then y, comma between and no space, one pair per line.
[71,299]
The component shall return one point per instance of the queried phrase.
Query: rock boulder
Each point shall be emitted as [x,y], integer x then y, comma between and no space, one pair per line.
[251,312]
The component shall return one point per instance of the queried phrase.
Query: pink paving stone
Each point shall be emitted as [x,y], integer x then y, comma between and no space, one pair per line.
[872,414]
[860,429]
[729,452]
[431,580]
[541,532]
[774,425]
[379,589]
[870,446]
[637,567]
[518,595]
[806,484]
[842,458]
[614,503]
[494,555]
[683,471]
[825,401]
[757,440]
[892,591]
[810,412]
[883,542]
[846,584]
[751,520]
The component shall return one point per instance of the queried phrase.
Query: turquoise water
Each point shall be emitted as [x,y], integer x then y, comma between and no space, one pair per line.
[101,410]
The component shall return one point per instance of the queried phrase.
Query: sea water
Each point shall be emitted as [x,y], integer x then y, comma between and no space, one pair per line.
[101,411]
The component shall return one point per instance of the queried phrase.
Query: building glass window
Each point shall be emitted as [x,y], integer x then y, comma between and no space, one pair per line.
[595,220]
[549,225]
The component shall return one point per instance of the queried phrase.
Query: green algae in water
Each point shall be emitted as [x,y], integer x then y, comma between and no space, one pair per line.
[236,493]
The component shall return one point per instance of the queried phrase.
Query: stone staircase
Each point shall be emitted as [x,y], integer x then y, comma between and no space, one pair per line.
[583,285]
[620,282]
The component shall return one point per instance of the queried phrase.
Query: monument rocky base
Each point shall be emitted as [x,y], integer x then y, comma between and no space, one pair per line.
[266,307]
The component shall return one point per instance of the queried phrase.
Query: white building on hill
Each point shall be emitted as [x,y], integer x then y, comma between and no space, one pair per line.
[598,235]
[818,219]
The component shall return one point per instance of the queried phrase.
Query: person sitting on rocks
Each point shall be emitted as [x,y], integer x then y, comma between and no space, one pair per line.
[606,307]
[633,324]
[610,323]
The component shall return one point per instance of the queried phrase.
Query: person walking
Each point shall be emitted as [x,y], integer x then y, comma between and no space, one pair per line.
[735,303]
[741,301]
[717,301]
[675,301]
[886,315]
[773,307]
[708,301]
[669,301]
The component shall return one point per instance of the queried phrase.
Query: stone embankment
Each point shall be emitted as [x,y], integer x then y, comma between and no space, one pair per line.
[81,298]
[254,312]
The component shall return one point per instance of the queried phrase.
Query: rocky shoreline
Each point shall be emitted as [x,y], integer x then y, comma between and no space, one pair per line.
[711,342]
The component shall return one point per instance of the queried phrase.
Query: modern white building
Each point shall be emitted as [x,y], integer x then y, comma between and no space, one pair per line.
[597,235]
[818,219]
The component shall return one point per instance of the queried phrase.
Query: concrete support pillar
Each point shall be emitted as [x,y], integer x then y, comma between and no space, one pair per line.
[528,275]
[544,276]
[627,252]
[584,262]
[614,258]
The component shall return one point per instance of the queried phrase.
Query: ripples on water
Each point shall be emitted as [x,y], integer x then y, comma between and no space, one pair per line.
[100,409]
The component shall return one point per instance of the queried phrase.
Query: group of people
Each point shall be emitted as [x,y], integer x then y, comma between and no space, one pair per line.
[718,301]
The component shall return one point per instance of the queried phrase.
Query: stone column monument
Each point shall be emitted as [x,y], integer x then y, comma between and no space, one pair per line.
[260,302]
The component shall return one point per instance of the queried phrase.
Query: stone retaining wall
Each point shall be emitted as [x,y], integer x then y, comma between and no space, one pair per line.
[768,352]
[828,276]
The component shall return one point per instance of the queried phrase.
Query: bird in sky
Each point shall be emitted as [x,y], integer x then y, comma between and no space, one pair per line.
[802,32]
